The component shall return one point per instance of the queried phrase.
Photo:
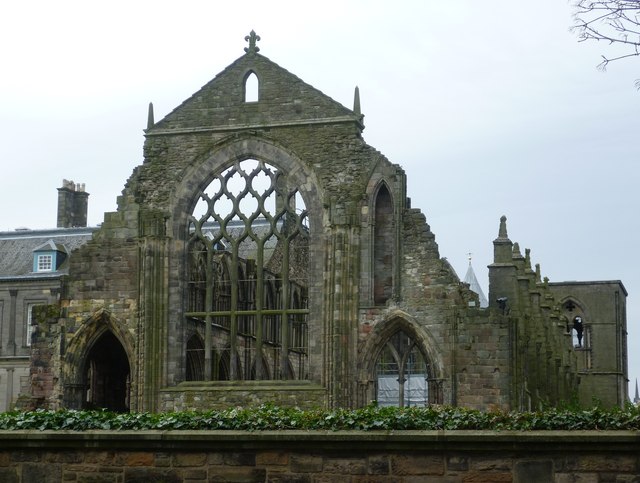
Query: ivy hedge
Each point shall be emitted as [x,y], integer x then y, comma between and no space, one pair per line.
[269,417]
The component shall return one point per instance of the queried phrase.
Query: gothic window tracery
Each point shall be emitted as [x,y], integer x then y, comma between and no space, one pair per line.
[248,263]
[402,377]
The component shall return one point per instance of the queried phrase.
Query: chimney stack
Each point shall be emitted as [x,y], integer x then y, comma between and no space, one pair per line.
[72,205]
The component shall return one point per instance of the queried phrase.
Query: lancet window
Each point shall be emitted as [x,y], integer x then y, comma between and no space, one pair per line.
[383,247]
[251,88]
[247,274]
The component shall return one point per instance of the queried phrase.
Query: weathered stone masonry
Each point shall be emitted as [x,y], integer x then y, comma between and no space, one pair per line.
[381,316]
[336,456]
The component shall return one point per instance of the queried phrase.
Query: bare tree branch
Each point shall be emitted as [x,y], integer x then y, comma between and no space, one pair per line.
[616,22]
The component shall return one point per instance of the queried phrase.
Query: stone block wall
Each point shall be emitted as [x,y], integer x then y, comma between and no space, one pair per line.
[301,456]
[226,394]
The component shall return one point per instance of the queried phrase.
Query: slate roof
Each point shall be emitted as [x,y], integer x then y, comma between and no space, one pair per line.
[17,247]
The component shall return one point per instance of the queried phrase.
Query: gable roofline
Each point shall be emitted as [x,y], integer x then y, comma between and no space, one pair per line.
[347,116]
[50,245]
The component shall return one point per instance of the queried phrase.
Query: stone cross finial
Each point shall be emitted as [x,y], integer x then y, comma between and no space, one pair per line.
[252,38]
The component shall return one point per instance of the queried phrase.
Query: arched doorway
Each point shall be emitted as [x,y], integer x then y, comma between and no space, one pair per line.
[107,375]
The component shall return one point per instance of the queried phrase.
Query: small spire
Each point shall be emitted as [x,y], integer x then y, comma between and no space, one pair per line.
[150,121]
[538,273]
[252,38]
[356,102]
[502,232]
[474,286]
[636,399]
[527,258]
[469,257]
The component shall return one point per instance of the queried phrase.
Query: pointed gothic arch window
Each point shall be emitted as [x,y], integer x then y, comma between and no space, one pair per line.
[383,247]
[195,359]
[401,372]
[248,256]
[220,365]
[251,88]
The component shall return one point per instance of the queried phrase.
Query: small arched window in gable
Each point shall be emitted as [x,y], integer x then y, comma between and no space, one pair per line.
[383,247]
[251,88]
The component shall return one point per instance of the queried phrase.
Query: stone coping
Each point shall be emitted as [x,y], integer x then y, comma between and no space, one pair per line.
[338,441]
[244,385]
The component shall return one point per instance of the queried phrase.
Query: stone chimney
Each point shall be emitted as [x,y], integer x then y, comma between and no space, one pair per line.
[72,205]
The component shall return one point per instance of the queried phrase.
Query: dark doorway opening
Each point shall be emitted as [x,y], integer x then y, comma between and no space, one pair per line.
[107,375]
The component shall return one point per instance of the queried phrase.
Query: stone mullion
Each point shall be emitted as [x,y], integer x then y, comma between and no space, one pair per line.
[401,380]
[208,318]
[259,299]
[284,334]
[233,314]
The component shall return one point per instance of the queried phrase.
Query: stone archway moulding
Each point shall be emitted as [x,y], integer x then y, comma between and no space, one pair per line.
[223,154]
[98,324]
[394,321]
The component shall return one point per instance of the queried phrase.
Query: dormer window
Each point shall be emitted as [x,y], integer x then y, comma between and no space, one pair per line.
[49,257]
[44,263]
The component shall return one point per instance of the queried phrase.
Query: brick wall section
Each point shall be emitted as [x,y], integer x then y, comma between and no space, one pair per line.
[290,456]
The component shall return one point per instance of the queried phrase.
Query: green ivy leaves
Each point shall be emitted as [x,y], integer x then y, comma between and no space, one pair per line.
[370,418]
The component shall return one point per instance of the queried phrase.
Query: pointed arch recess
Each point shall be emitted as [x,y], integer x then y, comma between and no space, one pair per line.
[90,332]
[195,358]
[401,321]
[228,155]
[80,351]
[383,244]
[224,154]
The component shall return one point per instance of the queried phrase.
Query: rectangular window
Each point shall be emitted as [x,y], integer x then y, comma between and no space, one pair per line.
[29,327]
[45,263]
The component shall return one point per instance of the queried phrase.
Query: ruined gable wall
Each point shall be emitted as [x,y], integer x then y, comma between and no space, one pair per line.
[338,163]
[468,347]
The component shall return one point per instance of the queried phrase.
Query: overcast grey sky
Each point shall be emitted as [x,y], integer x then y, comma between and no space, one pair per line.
[491,108]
